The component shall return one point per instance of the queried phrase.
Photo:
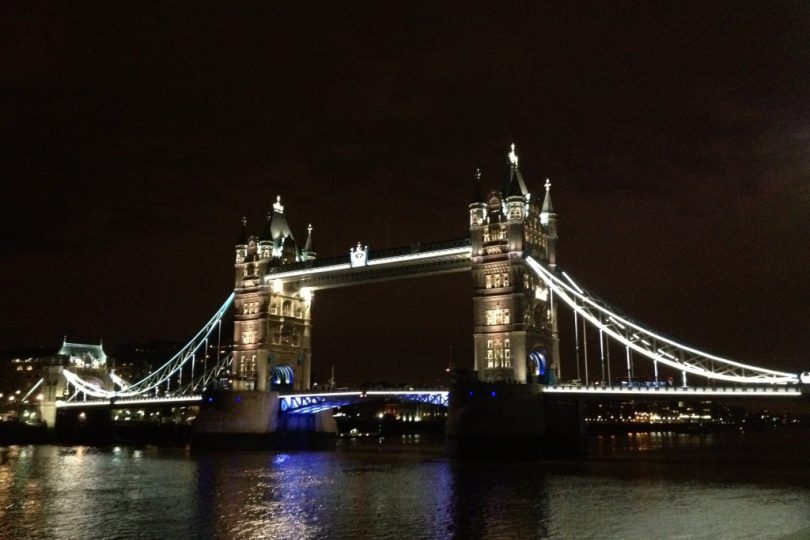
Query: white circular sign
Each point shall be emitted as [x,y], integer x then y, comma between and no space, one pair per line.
[804,377]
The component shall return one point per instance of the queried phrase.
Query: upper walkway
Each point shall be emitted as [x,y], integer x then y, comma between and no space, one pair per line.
[366,266]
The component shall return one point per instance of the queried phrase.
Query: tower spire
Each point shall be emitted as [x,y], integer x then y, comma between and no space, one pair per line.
[307,254]
[514,179]
[277,206]
[547,207]
[513,157]
[308,245]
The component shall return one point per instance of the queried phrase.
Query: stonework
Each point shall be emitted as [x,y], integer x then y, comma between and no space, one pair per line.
[272,321]
[514,318]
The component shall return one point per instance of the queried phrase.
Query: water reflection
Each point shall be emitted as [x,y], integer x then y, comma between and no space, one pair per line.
[651,485]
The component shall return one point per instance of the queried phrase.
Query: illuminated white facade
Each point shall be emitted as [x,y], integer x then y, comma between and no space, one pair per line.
[81,355]
[272,320]
[514,318]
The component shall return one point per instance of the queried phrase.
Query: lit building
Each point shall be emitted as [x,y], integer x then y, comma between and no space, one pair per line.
[514,317]
[83,356]
[272,325]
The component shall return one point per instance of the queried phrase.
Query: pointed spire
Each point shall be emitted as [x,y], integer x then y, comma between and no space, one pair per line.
[513,158]
[277,206]
[243,235]
[547,207]
[308,245]
[477,194]
[515,186]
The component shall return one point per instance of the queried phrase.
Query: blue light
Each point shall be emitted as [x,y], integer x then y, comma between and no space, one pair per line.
[239,399]
[493,393]
[471,393]
[210,399]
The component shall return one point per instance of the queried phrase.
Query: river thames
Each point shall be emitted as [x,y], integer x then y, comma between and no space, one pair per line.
[665,485]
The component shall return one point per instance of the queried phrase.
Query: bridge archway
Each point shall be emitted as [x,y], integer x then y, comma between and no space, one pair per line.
[282,378]
[537,368]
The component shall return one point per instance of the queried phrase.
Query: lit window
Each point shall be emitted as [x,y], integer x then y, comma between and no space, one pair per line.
[488,281]
[506,280]
[249,336]
[274,309]
[286,308]
[506,317]
[497,280]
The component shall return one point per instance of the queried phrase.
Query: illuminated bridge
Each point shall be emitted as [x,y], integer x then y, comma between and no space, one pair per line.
[518,293]
[313,403]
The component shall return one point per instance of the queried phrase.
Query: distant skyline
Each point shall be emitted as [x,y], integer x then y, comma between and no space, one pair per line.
[136,136]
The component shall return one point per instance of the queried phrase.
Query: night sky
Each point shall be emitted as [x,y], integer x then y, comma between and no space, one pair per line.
[134,137]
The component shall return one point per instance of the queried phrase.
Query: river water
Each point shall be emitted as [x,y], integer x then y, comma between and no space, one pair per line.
[731,485]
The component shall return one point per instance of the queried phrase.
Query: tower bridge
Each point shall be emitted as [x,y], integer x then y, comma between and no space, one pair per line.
[517,291]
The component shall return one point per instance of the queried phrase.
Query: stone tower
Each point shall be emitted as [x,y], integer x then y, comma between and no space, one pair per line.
[272,320]
[514,316]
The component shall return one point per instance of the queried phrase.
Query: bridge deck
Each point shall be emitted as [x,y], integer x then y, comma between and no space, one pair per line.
[676,391]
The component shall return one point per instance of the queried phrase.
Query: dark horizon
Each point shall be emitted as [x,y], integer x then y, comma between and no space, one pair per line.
[137,136]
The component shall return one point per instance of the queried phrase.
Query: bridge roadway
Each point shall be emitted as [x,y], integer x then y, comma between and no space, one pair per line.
[411,261]
[603,392]
[315,402]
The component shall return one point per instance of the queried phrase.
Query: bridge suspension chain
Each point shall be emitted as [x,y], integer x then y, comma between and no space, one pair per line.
[650,344]
[185,358]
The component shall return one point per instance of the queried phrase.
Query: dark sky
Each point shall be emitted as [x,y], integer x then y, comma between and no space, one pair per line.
[133,137]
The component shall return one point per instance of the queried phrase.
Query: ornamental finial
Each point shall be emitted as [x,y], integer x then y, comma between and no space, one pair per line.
[277,206]
[478,174]
[513,158]
[548,185]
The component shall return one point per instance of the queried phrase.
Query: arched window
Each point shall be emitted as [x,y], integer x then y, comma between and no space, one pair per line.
[286,308]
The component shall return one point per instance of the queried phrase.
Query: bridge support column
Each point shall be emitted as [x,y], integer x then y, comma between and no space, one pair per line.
[513,421]
[53,387]
[252,419]
[233,418]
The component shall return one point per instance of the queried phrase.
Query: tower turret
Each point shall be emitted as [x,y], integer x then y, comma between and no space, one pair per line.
[241,242]
[478,207]
[515,190]
[272,345]
[514,320]
[548,221]
[266,238]
[307,254]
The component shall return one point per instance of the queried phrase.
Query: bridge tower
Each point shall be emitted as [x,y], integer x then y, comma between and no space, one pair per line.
[514,316]
[86,360]
[272,321]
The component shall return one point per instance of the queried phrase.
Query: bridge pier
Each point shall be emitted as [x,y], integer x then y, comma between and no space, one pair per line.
[505,421]
[253,419]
